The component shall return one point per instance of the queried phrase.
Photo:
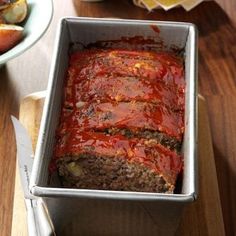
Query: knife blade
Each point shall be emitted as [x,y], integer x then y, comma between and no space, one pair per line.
[38,219]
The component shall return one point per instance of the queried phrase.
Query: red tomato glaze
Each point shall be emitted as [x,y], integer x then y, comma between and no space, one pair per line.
[123,89]
[155,156]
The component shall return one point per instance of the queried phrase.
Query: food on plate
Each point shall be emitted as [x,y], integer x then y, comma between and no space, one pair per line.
[15,12]
[4,4]
[10,35]
[11,14]
[122,121]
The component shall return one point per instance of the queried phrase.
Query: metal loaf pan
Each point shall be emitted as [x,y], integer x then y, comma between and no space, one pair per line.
[97,212]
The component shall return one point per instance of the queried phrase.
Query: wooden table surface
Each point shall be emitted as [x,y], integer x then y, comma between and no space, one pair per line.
[217,82]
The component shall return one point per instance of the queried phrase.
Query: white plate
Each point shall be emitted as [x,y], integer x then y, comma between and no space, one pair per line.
[38,19]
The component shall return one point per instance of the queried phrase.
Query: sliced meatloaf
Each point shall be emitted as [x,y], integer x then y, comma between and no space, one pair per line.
[122,121]
[100,161]
[163,67]
[126,89]
[139,76]
[134,115]
[137,119]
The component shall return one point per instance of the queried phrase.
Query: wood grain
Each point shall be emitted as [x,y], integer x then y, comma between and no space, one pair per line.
[30,114]
[217,78]
[19,217]
[229,7]
[7,152]
[223,127]
[197,219]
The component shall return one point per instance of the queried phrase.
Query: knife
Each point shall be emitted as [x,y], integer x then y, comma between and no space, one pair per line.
[38,219]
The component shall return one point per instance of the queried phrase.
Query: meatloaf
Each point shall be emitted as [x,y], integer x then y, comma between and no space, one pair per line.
[122,121]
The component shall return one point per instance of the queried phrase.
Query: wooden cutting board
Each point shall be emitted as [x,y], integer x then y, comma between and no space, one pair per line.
[203,217]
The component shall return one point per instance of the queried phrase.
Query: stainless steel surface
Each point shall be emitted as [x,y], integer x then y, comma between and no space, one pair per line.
[32,223]
[25,162]
[38,220]
[148,206]
[45,225]
[24,155]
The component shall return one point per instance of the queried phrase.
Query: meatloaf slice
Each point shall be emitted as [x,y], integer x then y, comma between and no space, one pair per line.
[150,135]
[132,115]
[123,75]
[98,161]
[123,89]
[161,66]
